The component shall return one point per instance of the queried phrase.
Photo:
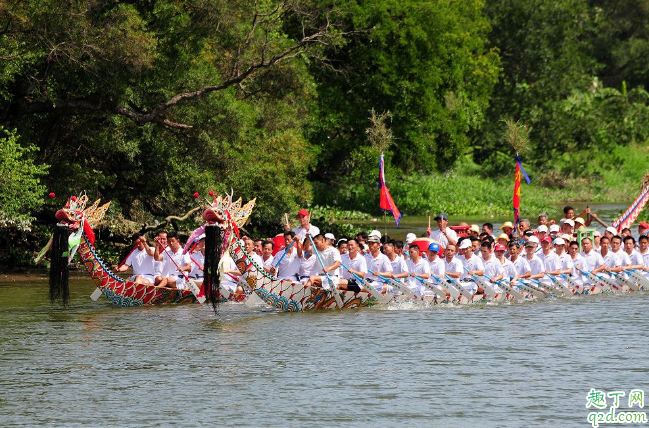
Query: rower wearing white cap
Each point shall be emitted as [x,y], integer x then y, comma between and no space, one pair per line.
[331,239]
[565,262]
[610,232]
[410,238]
[542,231]
[537,267]
[554,230]
[444,235]
[378,263]
[472,266]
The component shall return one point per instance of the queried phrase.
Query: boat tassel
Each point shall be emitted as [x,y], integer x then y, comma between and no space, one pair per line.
[211,267]
[59,287]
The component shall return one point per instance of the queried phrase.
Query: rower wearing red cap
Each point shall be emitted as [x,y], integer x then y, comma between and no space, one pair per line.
[643,229]
[305,226]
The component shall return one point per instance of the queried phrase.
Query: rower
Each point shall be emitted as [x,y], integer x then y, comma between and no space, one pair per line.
[634,255]
[331,239]
[417,268]
[230,275]
[473,265]
[453,266]
[474,230]
[378,263]
[435,263]
[259,249]
[554,230]
[597,235]
[643,241]
[610,232]
[591,260]
[565,261]
[141,260]
[521,266]
[196,259]
[161,243]
[537,267]
[286,264]
[267,255]
[577,262]
[622,259]
[308,261]
[568,227]
[444,235]
[580,223]
[398,248]
[361,238]
[503,240]
[173,263]
[304,227]
[342,246]
[493,269]
[399,267]
[249,247]
[357,265]
[508,267]
[542,232]
[328,272]
[547,251]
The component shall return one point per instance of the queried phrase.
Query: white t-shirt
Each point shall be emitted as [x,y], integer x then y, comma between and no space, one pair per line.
[358,263]
[420,267]
[308,266]
[552,262]
[268,262]
[195,259]
[521,265]
[474,263]
[454,266]
[493,268]
[289,266]
[226,264]
[141,262]
[622,257]
[300,232]
[380,263]
[536,265]
[436,267]
[169,268]
[508,268]
[438,236]
[591,261]
[636,258]
[645,258]
[329,256]
[399,265]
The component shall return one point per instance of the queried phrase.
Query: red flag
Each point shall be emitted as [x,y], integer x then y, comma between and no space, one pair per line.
[387,203]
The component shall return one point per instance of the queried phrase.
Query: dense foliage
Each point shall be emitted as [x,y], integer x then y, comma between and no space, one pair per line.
[147,102]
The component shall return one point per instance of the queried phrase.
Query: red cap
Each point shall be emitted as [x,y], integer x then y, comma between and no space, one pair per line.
[303,212]
[500,247]
[644,225]
[546,239]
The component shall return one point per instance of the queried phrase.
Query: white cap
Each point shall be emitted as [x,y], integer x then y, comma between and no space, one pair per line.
[569,221]
[559,241]
[580,220]
[330,236]
[597,233]
[554,228]
[566,237]
[410,238]
[542,228]
[475,228]
[533,239]
[375,233]
[612,230]
[466,243]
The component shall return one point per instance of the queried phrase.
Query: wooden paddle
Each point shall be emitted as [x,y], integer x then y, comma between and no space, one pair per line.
[334,291]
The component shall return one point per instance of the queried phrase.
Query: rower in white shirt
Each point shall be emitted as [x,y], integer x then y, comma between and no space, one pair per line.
[329,260]
[435,263]
[472,266]
[444,235]
[309,264]
[378,264]
[521,266]
[141,260]
[418,271]
[509,270]
[537,267]
[286,263]
[635,257]
[399,267]
[357,265]
[267,255]
[643,241]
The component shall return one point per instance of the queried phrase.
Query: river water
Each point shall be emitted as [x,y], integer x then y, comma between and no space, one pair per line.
[519,365]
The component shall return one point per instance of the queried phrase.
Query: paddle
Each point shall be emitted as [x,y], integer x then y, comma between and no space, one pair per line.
[628,283]
[487,289]
[640,278]
[333,290]
[252,298]
[570,282]
[438,289]
[598,281]
[468,296]
[284,255]
[373,291]
[514,293]
[194,289]
[400,286]
[531,290]
[562,287]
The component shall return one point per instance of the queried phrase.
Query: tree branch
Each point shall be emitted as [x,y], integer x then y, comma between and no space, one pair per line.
[168,220]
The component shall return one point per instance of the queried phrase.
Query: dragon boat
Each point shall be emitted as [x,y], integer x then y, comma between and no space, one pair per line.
[81,221]
[289,296]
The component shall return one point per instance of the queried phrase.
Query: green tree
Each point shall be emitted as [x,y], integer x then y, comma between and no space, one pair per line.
[21,190]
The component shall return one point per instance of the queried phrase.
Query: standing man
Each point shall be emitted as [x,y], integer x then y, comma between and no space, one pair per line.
[444,234]
[305,226]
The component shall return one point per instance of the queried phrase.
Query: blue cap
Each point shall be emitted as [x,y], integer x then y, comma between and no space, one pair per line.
[441,217]
[434,247]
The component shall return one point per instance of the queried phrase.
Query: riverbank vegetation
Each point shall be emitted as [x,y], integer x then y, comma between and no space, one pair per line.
[146,103]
